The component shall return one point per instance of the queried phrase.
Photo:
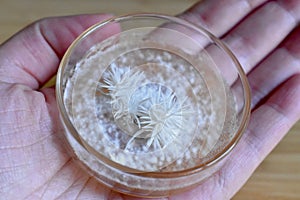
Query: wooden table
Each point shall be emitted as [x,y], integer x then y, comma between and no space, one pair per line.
[278,177]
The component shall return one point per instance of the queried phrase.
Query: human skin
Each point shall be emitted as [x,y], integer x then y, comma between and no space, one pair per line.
[265,37]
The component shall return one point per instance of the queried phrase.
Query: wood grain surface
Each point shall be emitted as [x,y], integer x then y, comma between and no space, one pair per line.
[278,177]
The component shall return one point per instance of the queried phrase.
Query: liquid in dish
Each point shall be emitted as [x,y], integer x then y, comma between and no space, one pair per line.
[146,105]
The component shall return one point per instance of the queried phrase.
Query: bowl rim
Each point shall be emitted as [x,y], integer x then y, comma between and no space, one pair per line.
[196,169]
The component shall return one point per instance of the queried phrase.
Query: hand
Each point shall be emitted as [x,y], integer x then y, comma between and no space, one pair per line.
[34,164]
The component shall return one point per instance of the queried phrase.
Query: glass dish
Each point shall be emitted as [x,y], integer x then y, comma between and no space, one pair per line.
[151,104]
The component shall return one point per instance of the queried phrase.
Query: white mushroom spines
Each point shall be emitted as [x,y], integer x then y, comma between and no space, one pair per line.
[120,84]
[151,111]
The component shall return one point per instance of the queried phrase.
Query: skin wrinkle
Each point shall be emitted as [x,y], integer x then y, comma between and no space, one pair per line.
[296,58]
[76,186]
[257,80]
[8,63]
[259,95]
[25,146]
[71,182]
[220,182]
[28,164]
[36,55]
[27,44]
[32,126]
[82,188]
[12,168]
[254,140]
[279,105]
[15,110]
[24,176]
[16,169]
[40,30]
[40,27]
[92,190]
[54,175]
[12,135]
[35,194]
[284,118]
[18,74]
[43,186]
[9,186]
[234,166]
[43,126]
[54,39]
[23,165]
[290,11]
[6,179]
[67,193]
[12,128]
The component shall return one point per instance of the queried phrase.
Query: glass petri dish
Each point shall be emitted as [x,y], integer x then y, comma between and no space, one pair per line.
[151,104]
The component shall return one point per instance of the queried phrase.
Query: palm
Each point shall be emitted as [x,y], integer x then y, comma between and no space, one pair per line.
[34,163]
[29,136]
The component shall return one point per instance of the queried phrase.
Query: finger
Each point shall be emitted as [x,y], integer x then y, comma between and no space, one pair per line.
[207,13]
[211,13]
[32,56]
[254,38]
[278,67]
[268,124]
[261,32]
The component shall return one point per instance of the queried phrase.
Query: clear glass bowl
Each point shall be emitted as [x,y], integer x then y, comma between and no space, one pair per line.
[151,104]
